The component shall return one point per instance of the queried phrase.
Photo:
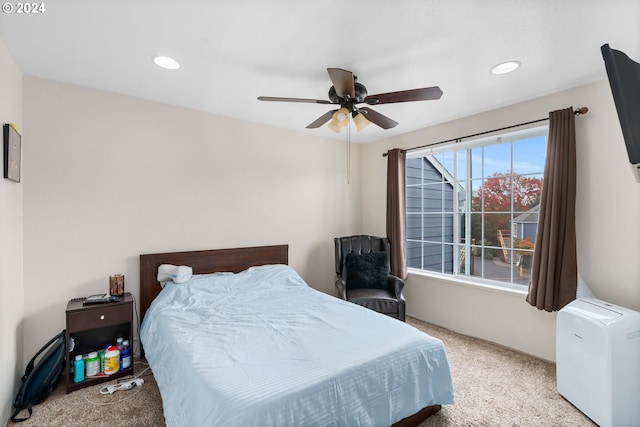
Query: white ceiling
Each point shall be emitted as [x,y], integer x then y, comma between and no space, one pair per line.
[232,51]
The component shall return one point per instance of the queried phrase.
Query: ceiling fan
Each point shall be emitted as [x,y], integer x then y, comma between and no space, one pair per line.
[347,92]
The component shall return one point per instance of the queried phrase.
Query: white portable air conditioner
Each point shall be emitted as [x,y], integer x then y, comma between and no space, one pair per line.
[598,361]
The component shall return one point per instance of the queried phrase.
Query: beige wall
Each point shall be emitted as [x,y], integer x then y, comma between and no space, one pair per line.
[109,177]
[11,244]
[608,230]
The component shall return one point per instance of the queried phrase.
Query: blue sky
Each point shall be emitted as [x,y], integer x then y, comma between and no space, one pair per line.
[528,158]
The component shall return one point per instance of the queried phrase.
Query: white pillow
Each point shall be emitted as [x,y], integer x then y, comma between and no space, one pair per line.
[175,273]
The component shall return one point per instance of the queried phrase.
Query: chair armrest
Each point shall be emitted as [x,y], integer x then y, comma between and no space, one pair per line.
[396,284]
[341,288]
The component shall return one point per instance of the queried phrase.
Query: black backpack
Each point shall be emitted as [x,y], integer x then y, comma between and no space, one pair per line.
[40,379]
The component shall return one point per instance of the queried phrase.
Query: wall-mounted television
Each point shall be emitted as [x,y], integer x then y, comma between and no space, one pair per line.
[624,79]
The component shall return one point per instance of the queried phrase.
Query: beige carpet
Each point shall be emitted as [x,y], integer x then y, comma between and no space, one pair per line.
[140,406]
[494,386]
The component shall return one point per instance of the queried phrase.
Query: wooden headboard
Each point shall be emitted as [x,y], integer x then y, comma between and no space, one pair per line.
[203,262]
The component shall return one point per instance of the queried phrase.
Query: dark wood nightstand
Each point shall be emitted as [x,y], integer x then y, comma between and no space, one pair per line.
[93,326]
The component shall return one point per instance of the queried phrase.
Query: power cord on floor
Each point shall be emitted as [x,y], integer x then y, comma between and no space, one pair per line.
[128,396]
[121,384]
[125,385]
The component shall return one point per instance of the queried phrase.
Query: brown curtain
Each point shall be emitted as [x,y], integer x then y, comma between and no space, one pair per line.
[554,273]
[396,211]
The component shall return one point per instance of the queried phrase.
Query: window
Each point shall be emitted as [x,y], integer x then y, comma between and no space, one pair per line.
[472,208]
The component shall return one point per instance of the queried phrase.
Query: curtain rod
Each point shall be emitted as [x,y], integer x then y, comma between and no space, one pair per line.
[577,112]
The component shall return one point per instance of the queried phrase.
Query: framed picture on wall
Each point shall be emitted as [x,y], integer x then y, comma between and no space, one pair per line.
[12,147]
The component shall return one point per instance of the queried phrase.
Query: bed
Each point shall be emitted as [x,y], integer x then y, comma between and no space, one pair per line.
[247,342]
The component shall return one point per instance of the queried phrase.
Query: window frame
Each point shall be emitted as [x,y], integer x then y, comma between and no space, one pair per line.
[455,148]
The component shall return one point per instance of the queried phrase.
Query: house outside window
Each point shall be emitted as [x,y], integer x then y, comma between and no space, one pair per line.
[472,207]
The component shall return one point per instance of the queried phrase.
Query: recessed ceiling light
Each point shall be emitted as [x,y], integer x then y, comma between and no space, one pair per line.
[505,67]
[166,62]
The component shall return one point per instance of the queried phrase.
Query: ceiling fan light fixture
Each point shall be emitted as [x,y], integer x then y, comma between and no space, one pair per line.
[341,117]
[166,62]
[334,127]
[360,121]
[505,67]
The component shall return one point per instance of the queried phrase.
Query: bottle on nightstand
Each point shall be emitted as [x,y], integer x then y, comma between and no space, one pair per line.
[125,355]
[78,366]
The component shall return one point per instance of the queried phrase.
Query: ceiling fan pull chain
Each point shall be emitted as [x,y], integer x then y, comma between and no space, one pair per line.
[349,153]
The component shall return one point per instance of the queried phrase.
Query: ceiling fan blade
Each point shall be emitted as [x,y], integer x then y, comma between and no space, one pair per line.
[321,120]
[309,101]
[342,81]
[377,118]
[422,94]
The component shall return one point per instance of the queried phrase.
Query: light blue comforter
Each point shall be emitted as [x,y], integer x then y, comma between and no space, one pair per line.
[262,348]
